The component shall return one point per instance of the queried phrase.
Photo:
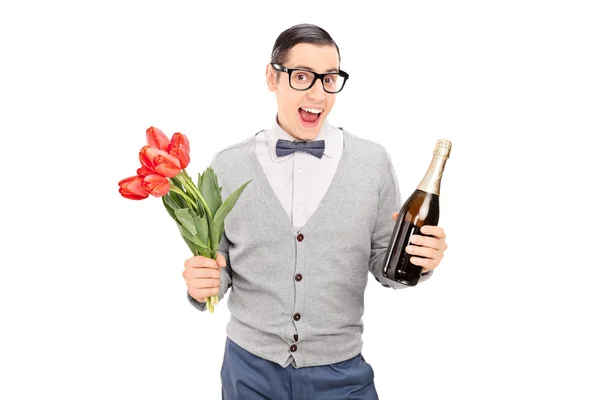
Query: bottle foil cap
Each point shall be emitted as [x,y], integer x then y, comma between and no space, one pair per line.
[442,148]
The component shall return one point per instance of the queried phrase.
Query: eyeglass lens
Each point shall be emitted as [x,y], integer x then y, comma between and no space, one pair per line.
[303,79]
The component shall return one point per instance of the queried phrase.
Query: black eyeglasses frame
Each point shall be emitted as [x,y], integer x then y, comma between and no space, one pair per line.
[320,77]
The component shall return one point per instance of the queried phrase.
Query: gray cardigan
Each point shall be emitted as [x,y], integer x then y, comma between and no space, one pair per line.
[298,296]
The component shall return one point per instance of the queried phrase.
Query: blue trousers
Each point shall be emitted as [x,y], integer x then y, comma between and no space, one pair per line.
[245,376]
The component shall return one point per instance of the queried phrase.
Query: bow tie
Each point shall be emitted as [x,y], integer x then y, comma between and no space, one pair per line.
[285,147]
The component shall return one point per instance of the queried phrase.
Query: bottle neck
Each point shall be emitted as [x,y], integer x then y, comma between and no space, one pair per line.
[432,179]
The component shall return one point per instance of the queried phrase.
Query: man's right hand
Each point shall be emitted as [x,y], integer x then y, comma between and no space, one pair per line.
[203,276]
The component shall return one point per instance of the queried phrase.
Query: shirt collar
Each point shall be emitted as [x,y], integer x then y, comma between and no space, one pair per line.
[327,133]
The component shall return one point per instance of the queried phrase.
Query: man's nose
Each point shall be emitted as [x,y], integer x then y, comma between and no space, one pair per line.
[317,92]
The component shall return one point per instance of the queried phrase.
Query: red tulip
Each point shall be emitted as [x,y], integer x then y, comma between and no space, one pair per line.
[159,161]
[131,188]
[156,185]
[156,138]
[180,148]
[161,158]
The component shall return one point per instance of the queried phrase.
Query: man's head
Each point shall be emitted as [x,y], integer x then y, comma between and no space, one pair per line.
[310,50]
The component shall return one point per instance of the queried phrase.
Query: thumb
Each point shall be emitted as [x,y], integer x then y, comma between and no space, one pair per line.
[221,262]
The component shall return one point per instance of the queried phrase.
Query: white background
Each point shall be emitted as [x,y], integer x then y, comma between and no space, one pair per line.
[92,300]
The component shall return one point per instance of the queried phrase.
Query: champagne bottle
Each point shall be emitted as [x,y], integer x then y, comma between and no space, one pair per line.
[422,208]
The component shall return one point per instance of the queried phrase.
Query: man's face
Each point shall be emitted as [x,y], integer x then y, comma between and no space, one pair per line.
[293,106]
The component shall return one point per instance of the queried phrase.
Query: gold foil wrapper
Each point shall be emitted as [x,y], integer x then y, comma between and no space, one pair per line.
[442,148]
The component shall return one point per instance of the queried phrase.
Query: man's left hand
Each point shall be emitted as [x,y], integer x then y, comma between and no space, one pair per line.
[430,248]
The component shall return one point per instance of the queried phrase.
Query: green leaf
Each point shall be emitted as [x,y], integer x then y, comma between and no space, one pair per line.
[185,218]
[187,241]
[167,202]
[228,204]
[206,253]
[193,239]
[220,230]
[216,186]
[215,239]
[201,209]
[210,190]
[201,228]
[176,199]
[173,204]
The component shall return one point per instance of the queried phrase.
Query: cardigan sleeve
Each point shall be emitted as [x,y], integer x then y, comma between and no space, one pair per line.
[389,202]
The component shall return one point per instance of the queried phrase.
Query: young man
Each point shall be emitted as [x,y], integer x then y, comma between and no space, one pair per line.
[301,240]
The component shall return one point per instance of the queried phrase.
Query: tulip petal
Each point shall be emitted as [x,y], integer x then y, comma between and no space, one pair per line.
[180,147]
[144,171]
[156,185]
[146,156]
[156,138]
[179,139]
[132,196]
[165,158]
[182,156]
[166,164]
[131,188]
[159,161]
[134,186]
[167,170]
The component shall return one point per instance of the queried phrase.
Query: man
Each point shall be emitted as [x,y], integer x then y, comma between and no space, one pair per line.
[301,240]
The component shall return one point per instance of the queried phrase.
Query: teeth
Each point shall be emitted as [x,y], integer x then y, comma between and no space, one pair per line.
[312,110]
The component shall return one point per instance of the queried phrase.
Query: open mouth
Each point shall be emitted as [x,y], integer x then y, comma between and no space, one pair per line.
[309,116]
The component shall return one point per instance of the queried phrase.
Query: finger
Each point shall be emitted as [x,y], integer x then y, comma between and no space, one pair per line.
[395,216]
[424,241]
[199,273]
[202,294]
[201,262]
[426,252]
[203,283]
[427,263]
[221,261]
[433,230]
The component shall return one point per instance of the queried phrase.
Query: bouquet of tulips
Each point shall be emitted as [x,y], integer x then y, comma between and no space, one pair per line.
[196,207]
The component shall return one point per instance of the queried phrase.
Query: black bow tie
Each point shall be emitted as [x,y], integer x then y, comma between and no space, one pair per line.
[285,147]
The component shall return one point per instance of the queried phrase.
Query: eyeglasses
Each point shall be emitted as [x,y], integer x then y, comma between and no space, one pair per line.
[301,79]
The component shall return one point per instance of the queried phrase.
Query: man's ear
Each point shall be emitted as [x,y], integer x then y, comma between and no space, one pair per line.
[271,76]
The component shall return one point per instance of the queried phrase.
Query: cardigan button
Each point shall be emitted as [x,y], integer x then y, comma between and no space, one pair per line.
[299,277]
[296,316]
[300,237]
[293,348]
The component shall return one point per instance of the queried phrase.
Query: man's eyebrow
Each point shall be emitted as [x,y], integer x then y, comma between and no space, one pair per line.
[310,69]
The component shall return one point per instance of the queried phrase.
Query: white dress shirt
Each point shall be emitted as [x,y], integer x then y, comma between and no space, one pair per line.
[299,180]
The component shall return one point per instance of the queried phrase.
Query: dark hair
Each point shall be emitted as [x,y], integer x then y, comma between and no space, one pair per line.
[302,33]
